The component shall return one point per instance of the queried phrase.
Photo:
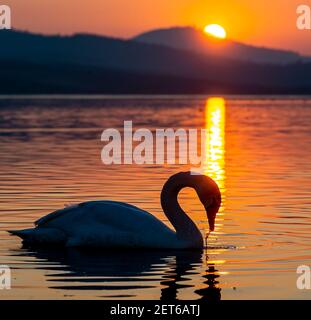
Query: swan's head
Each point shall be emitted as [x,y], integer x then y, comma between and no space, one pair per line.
[210,196]
[206,188]
[211,206]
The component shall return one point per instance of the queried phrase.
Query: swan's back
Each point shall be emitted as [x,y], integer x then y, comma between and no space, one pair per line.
[109,216]
[55,214]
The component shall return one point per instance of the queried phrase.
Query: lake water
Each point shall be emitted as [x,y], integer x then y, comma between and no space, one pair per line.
[259,153]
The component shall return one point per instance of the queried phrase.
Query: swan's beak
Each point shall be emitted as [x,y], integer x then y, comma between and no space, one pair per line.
[211,222]
[211,212]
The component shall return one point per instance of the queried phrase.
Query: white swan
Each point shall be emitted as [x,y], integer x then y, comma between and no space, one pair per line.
[111,224]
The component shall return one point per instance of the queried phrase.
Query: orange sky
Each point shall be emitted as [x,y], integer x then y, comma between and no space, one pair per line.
[267,23]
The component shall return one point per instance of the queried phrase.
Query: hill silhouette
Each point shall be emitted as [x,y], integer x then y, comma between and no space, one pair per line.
[195,40]
[82,63]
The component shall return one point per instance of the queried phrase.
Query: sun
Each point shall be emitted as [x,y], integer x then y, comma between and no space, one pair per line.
[216,31]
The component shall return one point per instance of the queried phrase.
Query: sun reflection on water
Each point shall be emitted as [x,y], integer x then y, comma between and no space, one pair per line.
[215,116]
[215,140]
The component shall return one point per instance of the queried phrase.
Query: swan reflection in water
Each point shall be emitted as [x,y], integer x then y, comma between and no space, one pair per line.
[120,274]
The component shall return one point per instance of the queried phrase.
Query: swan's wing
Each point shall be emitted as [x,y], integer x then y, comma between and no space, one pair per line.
[104,213]
[122,217]
[55,214]
[107,223]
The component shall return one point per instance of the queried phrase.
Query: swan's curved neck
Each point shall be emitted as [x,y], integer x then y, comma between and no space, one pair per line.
[184,226]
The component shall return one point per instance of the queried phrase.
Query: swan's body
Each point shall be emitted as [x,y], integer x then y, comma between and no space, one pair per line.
[101,223]
[111,224]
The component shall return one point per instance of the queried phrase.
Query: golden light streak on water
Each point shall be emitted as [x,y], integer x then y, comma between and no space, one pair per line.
[215,117]
[215,140]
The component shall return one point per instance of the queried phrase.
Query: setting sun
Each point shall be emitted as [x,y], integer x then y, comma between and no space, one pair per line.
[216,30]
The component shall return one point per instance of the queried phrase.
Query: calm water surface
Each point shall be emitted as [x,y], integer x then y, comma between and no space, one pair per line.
[258,151]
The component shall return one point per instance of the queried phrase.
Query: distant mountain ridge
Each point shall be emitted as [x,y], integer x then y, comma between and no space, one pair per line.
[195,40]
[83,63]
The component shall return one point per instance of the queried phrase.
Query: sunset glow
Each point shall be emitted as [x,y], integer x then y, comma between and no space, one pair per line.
[216,31]
[245,21]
